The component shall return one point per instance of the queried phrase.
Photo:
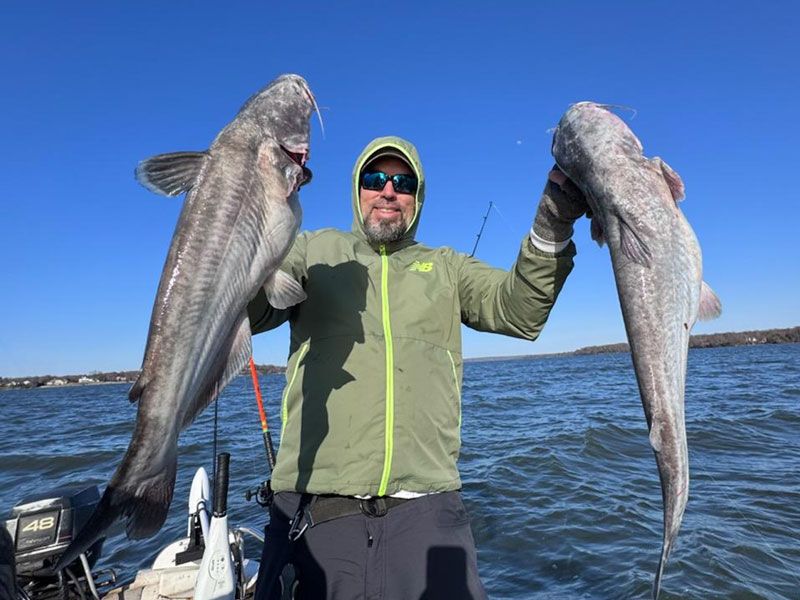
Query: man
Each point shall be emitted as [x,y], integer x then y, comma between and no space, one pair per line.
[367,502]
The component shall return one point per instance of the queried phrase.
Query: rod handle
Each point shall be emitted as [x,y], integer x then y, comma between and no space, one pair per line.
[221,479]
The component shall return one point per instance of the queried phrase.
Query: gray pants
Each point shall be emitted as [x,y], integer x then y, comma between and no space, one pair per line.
[422,549]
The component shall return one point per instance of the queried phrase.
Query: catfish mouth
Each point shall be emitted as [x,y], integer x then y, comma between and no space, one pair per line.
[299,158]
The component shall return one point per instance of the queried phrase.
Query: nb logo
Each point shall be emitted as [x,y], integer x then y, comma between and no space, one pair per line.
[421,267]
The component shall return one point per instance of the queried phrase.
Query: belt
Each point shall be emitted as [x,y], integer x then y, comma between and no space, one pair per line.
[314,510]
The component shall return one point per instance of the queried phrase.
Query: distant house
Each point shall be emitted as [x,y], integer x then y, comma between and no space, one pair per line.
[56,381]
[86,380]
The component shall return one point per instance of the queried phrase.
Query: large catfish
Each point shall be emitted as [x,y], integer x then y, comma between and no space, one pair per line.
[658,270]
[239,219]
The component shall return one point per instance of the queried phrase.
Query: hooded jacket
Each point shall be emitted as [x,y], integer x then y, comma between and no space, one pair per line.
[372,403]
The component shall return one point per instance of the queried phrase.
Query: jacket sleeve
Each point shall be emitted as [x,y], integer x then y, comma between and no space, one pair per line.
[515,302]
[264,317]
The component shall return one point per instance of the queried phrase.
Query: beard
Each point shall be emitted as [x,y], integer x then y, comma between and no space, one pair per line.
[384,232]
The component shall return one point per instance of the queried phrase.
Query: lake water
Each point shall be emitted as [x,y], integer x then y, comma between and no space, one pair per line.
[559,478]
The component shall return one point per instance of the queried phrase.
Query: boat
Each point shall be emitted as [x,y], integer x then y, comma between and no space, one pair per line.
[208,563]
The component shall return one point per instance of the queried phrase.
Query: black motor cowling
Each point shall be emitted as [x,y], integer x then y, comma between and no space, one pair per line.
[43,525]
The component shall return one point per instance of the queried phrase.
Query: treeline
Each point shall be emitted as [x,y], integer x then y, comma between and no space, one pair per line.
[789,335]
[268,369]
[59,380]
[97,377]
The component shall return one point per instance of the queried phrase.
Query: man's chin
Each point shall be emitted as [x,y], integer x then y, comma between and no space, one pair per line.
[385,219]
[384,231]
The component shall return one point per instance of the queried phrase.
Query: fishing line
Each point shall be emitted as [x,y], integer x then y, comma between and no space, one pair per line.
[214,457]
[492,205]
[752,526]
[511,228]
[502,216]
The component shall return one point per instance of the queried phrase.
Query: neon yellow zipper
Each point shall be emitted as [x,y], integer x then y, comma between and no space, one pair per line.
[284,405]
[387,334]
[455,381]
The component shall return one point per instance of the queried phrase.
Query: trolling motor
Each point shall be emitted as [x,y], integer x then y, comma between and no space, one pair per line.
[197,526]
[217,578]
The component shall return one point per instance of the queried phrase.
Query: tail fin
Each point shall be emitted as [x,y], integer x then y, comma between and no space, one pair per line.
[665,550]
[144,503]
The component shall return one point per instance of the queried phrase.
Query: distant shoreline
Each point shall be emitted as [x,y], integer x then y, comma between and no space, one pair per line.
[788,335]
[95,378]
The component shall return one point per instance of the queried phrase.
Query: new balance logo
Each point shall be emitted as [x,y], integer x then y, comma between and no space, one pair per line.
[421,267]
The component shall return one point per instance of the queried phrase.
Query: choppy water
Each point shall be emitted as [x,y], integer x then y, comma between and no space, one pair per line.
[558,475]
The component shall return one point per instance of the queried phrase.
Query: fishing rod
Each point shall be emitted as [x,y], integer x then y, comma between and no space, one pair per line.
[270,449]
[263,493]
[478,239]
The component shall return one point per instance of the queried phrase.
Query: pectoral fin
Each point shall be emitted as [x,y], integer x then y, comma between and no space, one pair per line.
[632,244]
[283,291]
[655,435]
[170,174]
[673,180]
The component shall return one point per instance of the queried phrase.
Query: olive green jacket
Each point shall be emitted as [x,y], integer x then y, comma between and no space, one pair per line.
[372,403]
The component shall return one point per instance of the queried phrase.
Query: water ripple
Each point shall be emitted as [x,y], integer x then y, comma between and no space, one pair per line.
[558,474]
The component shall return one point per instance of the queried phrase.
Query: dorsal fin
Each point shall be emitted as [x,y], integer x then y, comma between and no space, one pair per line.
[170,174]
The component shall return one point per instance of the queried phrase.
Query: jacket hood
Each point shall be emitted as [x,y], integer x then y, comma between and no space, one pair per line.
[409,152]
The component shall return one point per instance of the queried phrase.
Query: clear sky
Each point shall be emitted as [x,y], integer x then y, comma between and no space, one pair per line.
[91,88]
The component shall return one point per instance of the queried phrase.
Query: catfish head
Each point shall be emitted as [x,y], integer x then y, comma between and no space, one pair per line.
[281,111]
[585,129]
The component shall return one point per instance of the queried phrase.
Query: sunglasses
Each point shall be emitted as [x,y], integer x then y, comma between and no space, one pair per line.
[377,180]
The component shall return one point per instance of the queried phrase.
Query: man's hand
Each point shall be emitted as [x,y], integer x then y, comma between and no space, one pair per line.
[562,203]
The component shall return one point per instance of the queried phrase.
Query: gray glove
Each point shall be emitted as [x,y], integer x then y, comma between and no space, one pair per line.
[559,207]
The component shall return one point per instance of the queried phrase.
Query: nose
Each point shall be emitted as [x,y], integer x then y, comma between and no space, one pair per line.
[388,191]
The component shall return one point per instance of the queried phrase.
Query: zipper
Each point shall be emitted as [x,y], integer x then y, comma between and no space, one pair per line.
[455,382]
[387,334]
[284,404]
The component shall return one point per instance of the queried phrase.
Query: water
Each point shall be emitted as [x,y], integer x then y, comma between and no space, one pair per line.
[558,475]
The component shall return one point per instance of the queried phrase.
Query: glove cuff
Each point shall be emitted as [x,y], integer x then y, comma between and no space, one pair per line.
[546,245]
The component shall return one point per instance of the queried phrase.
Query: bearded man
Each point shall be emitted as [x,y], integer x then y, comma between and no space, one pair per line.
[367,501]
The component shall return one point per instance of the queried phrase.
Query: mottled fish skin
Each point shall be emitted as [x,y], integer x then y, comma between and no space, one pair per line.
[658,270]
[239,219]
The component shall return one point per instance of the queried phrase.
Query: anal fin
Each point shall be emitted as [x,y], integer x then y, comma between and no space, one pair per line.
[229,362]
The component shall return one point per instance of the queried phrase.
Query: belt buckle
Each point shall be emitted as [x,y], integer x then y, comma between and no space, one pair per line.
[373,507]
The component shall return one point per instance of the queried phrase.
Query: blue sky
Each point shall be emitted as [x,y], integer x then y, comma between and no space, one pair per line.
[91,88]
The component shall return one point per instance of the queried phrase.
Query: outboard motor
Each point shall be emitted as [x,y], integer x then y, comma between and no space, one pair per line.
[41,527]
